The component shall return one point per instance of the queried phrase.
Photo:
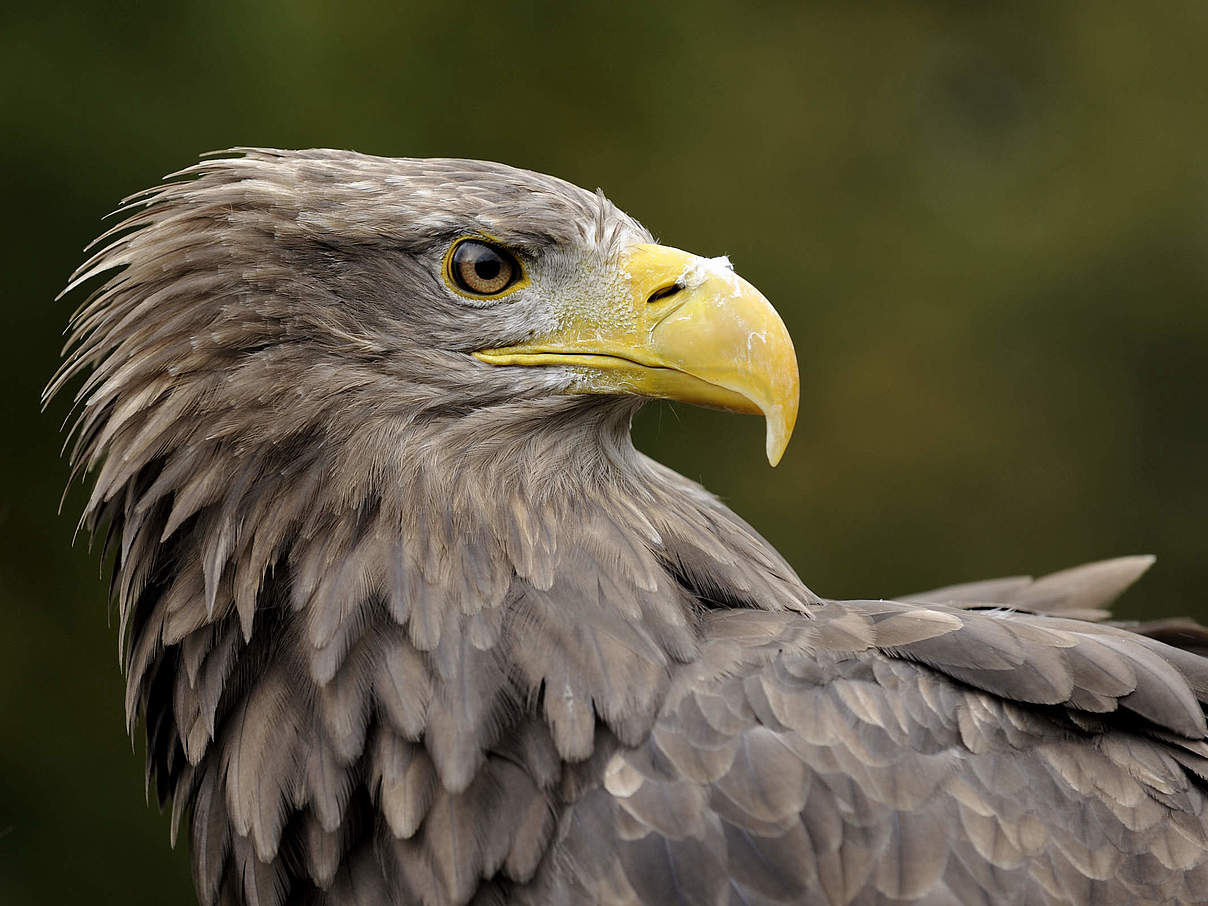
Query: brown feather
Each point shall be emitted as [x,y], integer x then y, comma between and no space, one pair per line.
[405,627]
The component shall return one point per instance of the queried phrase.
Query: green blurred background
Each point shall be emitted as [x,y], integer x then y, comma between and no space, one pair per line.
[984,225]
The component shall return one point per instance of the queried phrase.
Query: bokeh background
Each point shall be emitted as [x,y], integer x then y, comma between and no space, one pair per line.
[985,225]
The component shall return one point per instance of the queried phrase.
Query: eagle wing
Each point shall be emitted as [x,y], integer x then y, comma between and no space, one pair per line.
[893,752]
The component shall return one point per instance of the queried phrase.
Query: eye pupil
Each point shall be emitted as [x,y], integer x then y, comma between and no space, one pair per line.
[488,268]
[482,269]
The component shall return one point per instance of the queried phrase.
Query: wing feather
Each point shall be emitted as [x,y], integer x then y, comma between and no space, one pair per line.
[805,763]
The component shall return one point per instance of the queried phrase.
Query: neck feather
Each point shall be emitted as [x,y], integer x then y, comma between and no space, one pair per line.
[426,586]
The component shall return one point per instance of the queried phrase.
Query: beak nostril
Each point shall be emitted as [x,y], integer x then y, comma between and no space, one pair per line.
[664,293]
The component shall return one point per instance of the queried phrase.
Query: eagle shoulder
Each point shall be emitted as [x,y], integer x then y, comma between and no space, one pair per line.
[887,752]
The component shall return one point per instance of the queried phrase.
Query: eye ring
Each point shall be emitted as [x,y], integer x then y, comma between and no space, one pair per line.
[481,269]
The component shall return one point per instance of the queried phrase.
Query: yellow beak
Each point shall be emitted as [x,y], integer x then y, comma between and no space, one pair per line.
[681,328]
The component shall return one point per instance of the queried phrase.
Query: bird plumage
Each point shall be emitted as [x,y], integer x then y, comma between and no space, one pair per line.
[403,626]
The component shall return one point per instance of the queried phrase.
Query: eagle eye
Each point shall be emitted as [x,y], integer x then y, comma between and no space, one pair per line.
[479,268]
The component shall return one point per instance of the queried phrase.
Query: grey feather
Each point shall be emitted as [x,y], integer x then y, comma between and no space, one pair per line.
[405,627]
[1084,591]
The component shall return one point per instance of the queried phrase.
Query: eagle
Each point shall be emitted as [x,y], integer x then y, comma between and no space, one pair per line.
[409,620]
